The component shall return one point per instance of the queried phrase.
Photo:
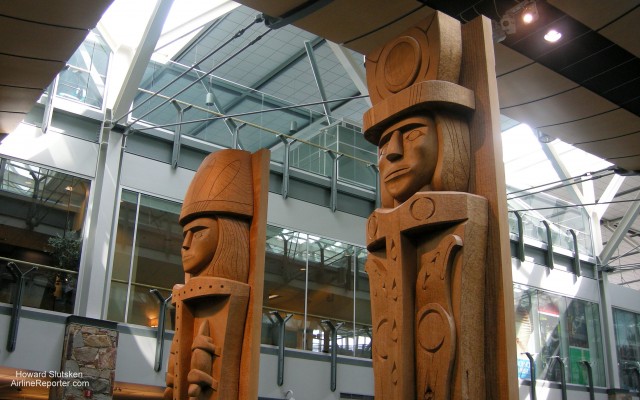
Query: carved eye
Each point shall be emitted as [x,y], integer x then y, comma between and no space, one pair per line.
[199,234]
[382,150]
[414,134]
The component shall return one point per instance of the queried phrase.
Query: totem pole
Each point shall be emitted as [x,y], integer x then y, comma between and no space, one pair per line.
[216,348]
[429,242]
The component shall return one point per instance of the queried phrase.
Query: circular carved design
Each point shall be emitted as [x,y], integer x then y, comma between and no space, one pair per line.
[372,226]
[400,62]
[433,327]
[422,208]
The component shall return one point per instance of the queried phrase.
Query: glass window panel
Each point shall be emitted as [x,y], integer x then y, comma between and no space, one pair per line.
[585,344]
[362,343]
[627,332]
[525,340]
[146,256]
[284,285]
[330,290]
[41,222]
[550,308]
[157,259]
[122,256]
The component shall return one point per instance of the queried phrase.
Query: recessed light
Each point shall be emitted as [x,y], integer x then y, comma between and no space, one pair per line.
[552,36]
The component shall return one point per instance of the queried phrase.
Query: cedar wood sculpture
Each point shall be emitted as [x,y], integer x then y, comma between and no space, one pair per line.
[428,242]
[216,347]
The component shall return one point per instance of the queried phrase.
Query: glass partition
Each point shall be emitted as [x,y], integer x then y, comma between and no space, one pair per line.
[41,222]
[626,326]
[550,326]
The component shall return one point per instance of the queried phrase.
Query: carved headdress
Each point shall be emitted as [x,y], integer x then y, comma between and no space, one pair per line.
[222,185]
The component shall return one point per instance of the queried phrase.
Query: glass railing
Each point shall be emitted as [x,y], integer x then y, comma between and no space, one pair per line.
[45,287]
[313,335]
[561,216]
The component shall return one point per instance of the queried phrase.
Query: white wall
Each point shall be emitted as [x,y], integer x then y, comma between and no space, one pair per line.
[554,280]
[38,345]
[52,149]
[310,379]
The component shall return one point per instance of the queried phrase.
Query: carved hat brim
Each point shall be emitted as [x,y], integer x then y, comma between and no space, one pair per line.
[426,95]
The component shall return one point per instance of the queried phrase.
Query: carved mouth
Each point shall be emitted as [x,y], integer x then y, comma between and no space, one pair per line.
[396,173]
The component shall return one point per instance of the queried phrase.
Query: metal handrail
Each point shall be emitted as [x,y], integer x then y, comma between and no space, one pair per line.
[39,266]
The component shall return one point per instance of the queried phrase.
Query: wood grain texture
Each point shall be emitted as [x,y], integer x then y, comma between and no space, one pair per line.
[216,348]
[439,248]
[487,180]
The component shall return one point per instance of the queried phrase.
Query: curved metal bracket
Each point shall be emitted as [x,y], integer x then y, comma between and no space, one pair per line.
[333,201]
[520,247]
[532,369]
[177,136]
[587,365]
[549,257]
[576,254]
[17,303]
[286,164]
[160,332]
[282,322]
[563,378]
[334,351]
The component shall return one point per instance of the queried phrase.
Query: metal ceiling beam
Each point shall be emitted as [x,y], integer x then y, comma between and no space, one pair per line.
[318,78]
[354,69]
[620,233]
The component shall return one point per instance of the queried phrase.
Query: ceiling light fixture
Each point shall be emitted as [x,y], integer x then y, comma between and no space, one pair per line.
[552,36]
[530,13]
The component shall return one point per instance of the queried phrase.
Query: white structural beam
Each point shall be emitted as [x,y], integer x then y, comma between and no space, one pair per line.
[620,233]
[130,62]
[561,170]
[354,68]
[609,194]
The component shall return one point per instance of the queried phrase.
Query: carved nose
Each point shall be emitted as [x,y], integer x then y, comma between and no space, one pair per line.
[186,243]
[394,147]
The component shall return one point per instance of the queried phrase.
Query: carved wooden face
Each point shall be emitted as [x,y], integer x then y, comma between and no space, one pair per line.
[199,244]
[408,154]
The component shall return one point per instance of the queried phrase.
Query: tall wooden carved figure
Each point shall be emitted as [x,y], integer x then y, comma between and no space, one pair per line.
[428,241]
[216,348]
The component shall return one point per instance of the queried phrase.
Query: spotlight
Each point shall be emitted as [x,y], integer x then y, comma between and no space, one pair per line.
[552,36]
[530,13]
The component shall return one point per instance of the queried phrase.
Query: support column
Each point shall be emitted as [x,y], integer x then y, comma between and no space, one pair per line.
[93,279]
[88,364]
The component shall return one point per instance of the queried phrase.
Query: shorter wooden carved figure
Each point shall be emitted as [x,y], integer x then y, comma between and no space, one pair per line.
[215,351]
